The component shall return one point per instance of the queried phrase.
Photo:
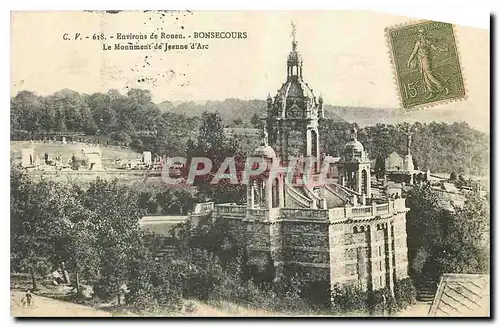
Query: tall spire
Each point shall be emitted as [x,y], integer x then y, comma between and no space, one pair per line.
[294,41]
[294,62]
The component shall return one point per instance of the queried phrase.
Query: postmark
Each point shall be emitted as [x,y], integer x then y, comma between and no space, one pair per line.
[426,63]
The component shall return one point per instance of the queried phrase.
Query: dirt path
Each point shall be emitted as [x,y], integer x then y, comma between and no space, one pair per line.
[46,307]
[420,309]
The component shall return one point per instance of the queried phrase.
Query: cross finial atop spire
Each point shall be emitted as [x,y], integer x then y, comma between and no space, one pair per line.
[294,41]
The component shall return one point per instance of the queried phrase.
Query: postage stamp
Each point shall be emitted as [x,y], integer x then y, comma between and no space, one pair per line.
[426,63]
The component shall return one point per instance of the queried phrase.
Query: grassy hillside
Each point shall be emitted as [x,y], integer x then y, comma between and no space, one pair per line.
[235,112]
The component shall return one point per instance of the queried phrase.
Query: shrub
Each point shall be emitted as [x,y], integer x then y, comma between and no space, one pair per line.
[404,293]
[190,307]
[141,298]
[120,137]
[137,145]
[381,302]
[349,298]
[105,288]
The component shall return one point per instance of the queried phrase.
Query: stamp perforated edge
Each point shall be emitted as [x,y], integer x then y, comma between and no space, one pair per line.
[394,71]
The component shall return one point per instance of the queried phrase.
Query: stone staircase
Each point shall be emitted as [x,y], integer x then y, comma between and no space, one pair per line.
[426,289]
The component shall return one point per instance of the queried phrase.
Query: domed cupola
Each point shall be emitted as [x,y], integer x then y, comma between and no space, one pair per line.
[293,115]
[354,149]
[354,167]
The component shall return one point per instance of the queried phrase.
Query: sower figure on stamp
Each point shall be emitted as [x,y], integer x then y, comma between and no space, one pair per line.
[422,51]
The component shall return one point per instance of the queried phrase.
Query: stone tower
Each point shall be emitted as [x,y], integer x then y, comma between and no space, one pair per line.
[354,167]
[294,113]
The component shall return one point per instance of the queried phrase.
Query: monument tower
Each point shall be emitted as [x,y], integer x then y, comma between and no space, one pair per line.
[294,113]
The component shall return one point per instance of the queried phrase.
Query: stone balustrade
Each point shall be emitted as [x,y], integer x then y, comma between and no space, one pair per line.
[231,210]
[304,214]
[393,206]
[203,208]
[263,213]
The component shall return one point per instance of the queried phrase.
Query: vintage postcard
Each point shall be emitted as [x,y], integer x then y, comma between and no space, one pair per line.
[248,163]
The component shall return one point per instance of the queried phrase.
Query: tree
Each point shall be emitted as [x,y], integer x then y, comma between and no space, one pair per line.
[148,202]
[26,111]
[173,132]
[423,228]
[213,144]
[202,274]
[182,199]
[121,137]
[256,121]
[36,226]
[379,167]
[442,241]
[211,133]
[116,217]
[461,248]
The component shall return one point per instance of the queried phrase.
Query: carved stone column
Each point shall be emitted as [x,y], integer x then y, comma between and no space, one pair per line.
[372,254]
[389,255]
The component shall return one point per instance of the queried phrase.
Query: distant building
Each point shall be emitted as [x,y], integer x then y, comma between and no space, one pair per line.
[27,157]
[146,157]
[401,169]
[93,158]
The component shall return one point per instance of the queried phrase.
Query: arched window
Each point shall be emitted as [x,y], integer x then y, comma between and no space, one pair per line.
[355,229]
[275,196]
[314,143]
[364,182]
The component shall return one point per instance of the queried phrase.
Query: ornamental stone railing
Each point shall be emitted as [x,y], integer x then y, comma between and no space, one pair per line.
[304,214]
[263,213]
[203,208]
[230,210]
[393,206]
[339,213]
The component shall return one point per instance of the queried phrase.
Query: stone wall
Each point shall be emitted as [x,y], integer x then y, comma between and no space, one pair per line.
[400,246]
[370,251]
[361,253]
[258,234]
[306,248]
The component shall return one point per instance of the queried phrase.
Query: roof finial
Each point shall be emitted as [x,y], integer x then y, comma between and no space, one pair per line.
[409,133]
[354,132]
[294,42]
[265,136]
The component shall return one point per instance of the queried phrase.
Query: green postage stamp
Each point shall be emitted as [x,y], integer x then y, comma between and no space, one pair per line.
[426,63]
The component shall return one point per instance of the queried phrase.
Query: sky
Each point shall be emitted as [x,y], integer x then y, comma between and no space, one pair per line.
[346,58]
